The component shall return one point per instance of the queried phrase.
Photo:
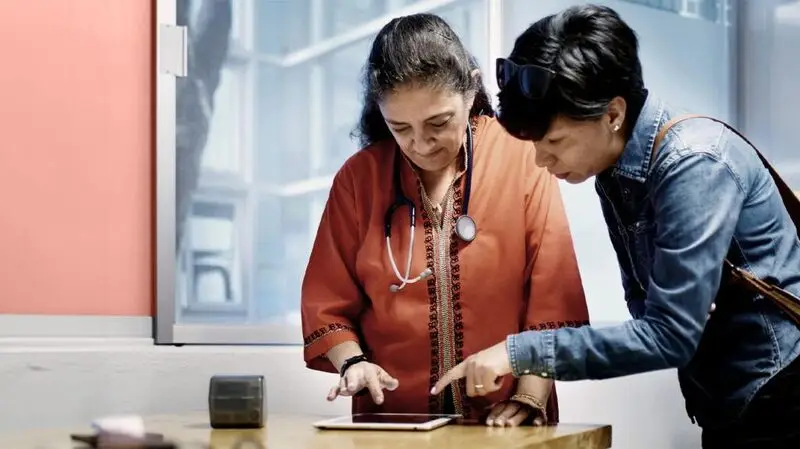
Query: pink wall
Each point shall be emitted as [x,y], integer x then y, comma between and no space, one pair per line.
[76,125]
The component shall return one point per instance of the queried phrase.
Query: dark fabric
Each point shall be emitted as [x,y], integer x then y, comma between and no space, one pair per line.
[771,421]
[449,405]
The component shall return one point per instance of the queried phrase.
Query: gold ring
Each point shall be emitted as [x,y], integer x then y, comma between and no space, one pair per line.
[479,386]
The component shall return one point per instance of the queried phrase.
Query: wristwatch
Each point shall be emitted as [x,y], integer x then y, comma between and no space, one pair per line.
[352,361]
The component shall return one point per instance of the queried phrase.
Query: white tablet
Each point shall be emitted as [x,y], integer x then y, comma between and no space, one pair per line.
[386,421]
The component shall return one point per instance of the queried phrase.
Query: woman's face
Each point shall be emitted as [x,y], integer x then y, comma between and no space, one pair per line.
[429,124]
[576,150]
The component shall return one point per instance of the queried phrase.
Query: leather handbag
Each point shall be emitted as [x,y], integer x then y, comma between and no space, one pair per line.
[785,300]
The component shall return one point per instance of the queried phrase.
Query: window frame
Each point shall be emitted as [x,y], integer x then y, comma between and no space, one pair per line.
[168,328]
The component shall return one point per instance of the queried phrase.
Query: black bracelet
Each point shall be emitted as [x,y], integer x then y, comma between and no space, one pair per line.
[352,361]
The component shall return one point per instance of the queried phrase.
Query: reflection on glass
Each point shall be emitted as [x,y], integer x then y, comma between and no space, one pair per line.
[342,15]
[281,26]
[282,104]
[265,120]
[221,153]
[770,70]
[209,24]
[342,102]
[710,10]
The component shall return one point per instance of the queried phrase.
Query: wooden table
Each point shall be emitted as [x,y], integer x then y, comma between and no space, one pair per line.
[296,432]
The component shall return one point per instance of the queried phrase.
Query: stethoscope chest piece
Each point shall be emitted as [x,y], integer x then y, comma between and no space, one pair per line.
[466,229]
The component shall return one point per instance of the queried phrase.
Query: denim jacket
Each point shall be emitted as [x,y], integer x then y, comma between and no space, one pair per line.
[705,197]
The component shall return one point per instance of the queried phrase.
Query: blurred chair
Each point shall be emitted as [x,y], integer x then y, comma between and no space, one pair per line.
[210,263]
[212,252]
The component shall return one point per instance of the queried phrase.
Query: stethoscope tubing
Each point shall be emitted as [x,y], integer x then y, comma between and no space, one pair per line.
[402,200]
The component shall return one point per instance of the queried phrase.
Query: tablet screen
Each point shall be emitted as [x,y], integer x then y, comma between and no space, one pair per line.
[388,421]
[394,418]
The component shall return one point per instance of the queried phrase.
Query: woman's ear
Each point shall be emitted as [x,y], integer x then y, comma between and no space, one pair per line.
[616,113]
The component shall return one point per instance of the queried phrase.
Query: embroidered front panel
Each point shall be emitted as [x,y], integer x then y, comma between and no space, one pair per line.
[455,296]
[447,323]
[435,404]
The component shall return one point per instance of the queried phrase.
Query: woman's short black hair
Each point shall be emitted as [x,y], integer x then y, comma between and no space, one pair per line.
[595,57]
[419,48]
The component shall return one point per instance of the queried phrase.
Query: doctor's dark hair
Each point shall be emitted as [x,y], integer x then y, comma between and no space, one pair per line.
[595,57]
[421,49]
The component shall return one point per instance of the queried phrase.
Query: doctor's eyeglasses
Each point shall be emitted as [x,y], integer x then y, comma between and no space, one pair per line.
[532,80]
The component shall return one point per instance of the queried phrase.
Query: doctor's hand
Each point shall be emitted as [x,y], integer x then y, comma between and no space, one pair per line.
[364,375]
[483,371]
[510,414]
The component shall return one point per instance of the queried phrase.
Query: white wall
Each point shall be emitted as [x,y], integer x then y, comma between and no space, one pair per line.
[57,383]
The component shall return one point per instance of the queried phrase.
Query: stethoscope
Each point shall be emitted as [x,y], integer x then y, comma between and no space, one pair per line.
[465,227]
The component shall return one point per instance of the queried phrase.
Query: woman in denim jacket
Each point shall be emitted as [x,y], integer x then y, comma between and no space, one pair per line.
[573,85]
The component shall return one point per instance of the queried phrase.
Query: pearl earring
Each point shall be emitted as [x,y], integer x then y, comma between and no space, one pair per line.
[616,128]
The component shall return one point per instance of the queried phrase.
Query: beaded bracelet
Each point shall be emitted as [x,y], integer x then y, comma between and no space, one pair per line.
[532,402]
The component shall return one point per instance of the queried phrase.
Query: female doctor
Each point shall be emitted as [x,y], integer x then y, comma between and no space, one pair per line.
[439,237]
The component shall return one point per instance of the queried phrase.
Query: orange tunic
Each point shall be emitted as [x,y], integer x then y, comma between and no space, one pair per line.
[519,273]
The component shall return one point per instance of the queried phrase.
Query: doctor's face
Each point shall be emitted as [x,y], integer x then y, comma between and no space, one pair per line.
[429,124]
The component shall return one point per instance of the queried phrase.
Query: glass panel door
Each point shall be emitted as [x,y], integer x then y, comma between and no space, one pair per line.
[262,123]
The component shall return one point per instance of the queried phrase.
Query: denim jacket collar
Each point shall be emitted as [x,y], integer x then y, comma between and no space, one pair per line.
[634,162]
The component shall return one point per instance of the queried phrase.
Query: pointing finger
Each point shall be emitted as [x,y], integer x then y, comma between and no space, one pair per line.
[337,390]
[333,393]
[457,372]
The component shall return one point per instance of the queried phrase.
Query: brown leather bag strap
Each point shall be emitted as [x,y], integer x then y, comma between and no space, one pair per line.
[664,129]
[789,303]
[790,199]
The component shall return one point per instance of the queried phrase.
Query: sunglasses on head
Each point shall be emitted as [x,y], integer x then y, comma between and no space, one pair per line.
[532,80]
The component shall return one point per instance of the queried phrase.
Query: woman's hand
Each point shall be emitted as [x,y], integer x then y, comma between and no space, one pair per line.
[483,370]
[361,375]
[509,414]
[529,401]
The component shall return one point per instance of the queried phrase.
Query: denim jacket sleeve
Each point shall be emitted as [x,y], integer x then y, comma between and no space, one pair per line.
[697,197]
